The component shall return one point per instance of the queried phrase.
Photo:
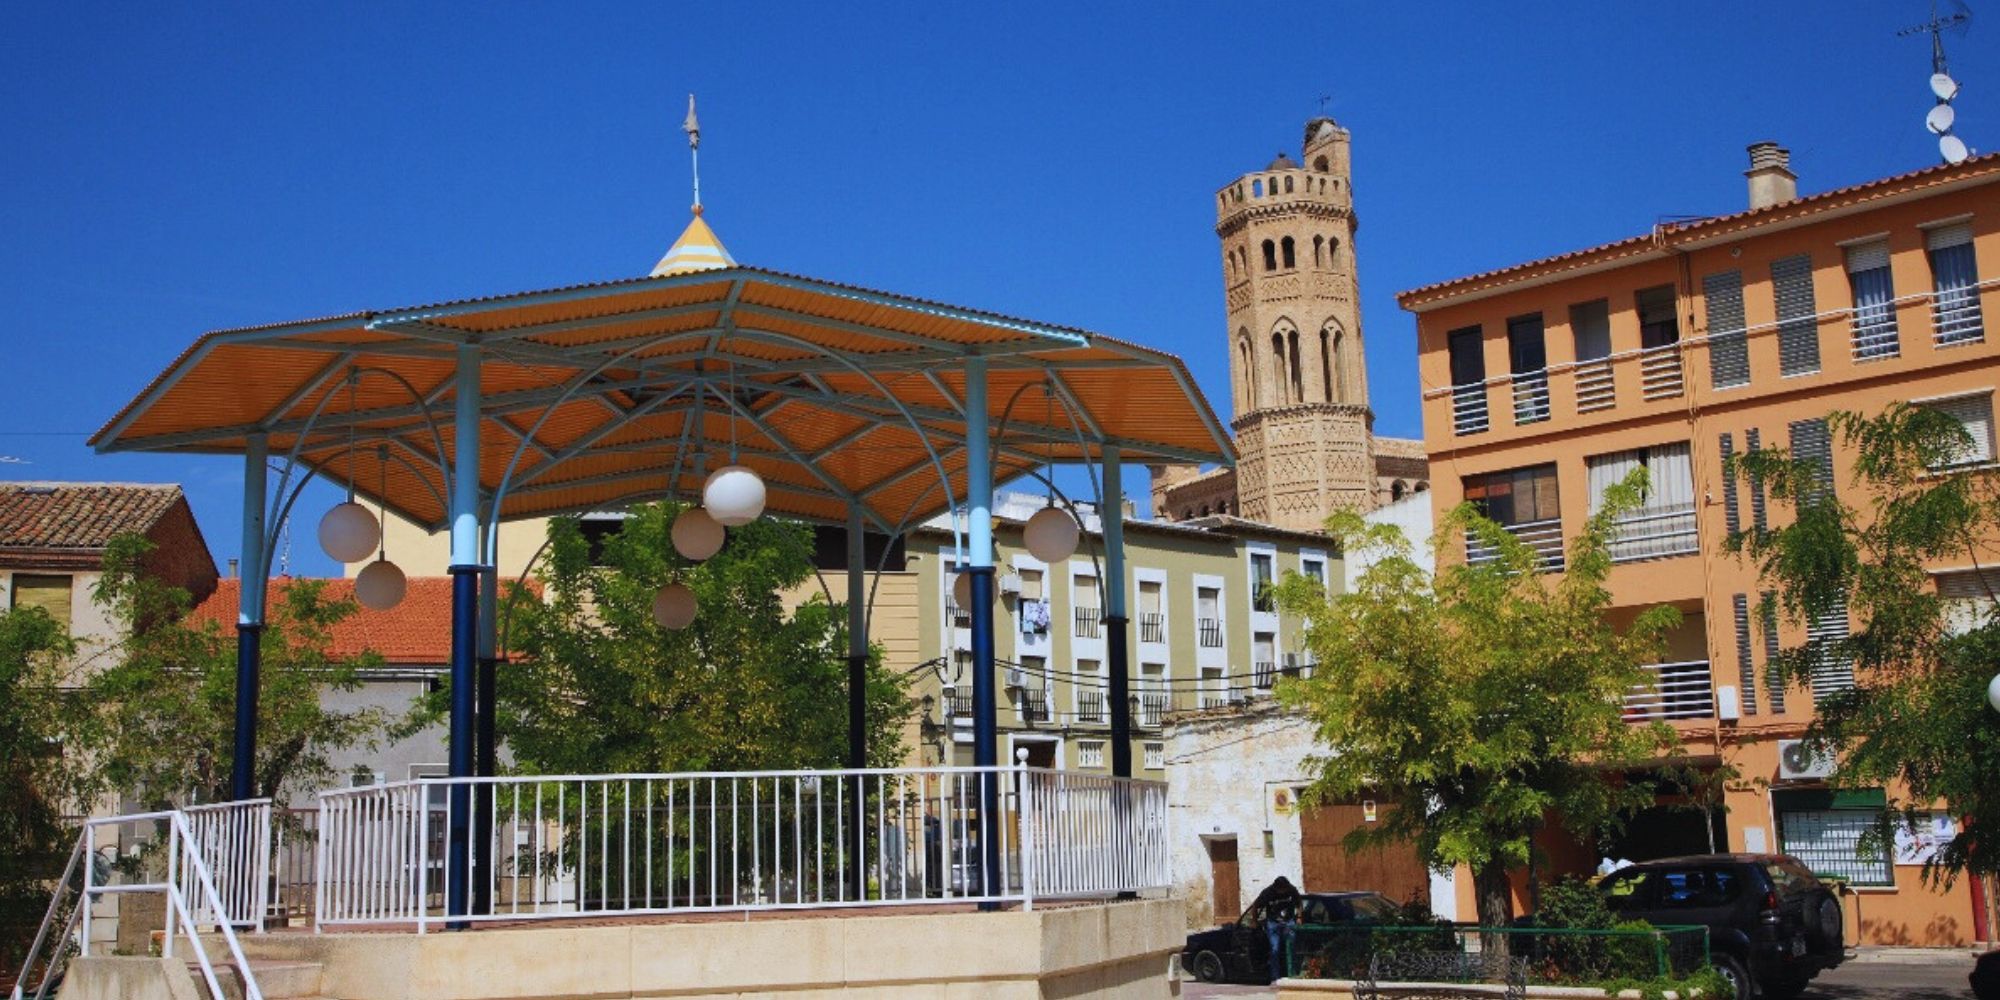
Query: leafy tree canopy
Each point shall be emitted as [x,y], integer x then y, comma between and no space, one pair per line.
[40,779]
[1916,721]
[1479,701]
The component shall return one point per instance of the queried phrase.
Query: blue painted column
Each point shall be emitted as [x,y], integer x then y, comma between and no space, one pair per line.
[464,626]
[1116,623]
[979,559]
[486,759]
[249,622]
[857,639]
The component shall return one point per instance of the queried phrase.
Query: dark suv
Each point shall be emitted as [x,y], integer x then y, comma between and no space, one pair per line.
[1772,926]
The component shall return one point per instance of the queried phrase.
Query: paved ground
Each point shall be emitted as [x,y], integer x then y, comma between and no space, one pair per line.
[1944,980]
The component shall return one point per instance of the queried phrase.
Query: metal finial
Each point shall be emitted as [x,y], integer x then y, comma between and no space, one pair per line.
[693,129]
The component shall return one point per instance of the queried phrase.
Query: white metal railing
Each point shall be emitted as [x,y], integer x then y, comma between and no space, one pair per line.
[1545,537]
[158,852]
[574,845]
[1672,691]
[1874,332]
[236,839]
[1154,706]
[294,832]
[1531,396]
[1955,316]
[1596,386]
[1655,533]
[1468,408]
[1660,372]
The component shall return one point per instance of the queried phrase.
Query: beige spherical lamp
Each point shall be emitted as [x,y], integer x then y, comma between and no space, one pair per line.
[349,532]
[696,534]
[674,606]
[961,590]
[380,585]
[733,495]
[1051,535]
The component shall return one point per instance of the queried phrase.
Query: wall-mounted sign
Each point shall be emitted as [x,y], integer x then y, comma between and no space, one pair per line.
[1367,810]
[1919,846]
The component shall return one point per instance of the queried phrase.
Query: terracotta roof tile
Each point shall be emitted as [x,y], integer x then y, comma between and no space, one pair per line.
[79,516]
[416,632]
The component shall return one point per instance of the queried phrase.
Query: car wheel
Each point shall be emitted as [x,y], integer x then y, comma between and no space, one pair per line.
[1828,932]
[1738,978]
[1784,989]
[1207,967]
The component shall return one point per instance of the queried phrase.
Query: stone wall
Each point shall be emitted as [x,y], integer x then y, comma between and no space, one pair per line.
[1224,770]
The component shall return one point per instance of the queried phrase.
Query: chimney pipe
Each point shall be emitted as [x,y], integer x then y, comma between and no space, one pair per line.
[232,569]
[1771,179]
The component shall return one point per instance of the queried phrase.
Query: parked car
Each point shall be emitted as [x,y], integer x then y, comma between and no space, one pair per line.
[1239,951]
[1985,977]
[1772,925]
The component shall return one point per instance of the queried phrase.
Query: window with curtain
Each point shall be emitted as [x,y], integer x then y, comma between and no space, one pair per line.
[1955,315]
[1664,523]
[1874,316]
[1975,414]
[1728,341]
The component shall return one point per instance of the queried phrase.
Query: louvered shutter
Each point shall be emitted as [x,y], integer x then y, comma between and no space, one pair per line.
[1746,664]
[1751,442]
[1812,443]
[1731,509]
[1867,256]
[1957,234]
[1975,414]
[1728,343]
[1968,597]
[1767,622]
[1798,329]
[1832,669]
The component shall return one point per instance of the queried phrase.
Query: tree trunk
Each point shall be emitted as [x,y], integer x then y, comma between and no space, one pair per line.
[1494,898]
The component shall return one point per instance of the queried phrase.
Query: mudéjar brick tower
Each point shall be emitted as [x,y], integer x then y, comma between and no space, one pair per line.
[1298,383]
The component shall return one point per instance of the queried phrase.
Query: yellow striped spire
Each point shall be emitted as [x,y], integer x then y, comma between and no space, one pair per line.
[696,250]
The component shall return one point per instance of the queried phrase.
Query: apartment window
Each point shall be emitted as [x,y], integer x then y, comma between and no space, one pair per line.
[1590,327]
[1659,336]
[1089,691]
[1811,442]
[1083,594]
[1728,339]
[1874,316]
[1156,756]
[1969,598]
[1152,617]
[1154,698]
[1798,325]
[1468,380]
[1090,753]
[1261,575]
[1955,285]
[47,591]
[1208,616]
[1664,523]
[1313,569]
[1214,687]
[1974,414]
[1033,688]
[1031,584]
[1263,657]
[1524,502]
[1528,360]
[1824,829]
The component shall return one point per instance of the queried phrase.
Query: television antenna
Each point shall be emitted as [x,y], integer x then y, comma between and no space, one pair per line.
[1941,117]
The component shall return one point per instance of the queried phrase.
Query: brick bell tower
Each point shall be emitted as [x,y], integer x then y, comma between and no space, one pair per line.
[1297,381]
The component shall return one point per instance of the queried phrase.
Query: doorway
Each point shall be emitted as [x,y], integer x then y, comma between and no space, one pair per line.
[1226,877]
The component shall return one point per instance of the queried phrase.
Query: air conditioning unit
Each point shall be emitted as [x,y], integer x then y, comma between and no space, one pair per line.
[1017,677]
[1798,762]
[1010,584]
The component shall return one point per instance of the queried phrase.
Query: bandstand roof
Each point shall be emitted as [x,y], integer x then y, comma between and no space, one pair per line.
[597,395]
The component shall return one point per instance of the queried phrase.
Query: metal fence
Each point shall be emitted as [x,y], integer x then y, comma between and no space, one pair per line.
[1558,956]
[662,843]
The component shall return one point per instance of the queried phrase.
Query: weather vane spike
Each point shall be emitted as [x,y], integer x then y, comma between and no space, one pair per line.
[693,130]
[1323,99]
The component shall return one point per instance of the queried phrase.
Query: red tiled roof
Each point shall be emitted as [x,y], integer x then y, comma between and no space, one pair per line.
[1674,232]
[79,516]
[416,632]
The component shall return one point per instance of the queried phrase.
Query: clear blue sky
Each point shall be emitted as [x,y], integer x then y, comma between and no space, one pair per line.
[166,175]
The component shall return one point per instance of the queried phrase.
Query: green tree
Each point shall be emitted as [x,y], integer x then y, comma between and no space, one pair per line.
[159,717]
[40,781]
[1482,700]
[594,685]
[1916,721]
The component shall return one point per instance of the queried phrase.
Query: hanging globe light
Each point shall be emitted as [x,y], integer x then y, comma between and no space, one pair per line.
[1051,535]
[349,532]
[961,590]
[380,585]
[1993,692]
[696,534]
[733,495]
[674,606]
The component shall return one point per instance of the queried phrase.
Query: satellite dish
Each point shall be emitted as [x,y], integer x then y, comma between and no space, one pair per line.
[1940,119]
[1943,86]
[1953,149]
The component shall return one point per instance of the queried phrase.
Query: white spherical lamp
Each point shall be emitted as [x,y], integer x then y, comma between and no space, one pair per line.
[696,534]
[734,495]
[1051,535]
[349,532]
[674,606]
[1993,692]
[380,585]
[961,590]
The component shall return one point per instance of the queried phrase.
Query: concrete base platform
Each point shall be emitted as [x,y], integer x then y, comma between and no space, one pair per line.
[1115,951]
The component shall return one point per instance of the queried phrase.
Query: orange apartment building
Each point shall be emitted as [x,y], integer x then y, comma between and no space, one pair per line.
[1549,379]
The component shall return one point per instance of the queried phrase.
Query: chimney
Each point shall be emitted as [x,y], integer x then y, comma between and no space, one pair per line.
[232,569]
[1771,179]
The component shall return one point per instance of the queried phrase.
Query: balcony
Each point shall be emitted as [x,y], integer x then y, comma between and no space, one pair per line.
[959,617]
[1090,707]
[1545,537]
[1264,675]
[1214,698]
[1152,627]
[1086,623]
[1153,706]
[1655,533]
[1035,706]
[957,705]
[1672,691]
[1208,632]
[1468,408]
[1660,372]
[1596,388]
[1531,397]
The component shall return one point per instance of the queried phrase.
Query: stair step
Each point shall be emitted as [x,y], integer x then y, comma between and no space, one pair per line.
[275,979]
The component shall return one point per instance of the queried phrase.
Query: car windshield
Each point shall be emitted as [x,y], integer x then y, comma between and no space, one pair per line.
[1625,889]
[1375,909]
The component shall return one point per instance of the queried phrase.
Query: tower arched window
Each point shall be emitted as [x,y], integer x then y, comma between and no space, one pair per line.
[1291,256]
[1319,250]
[1326,342]
[1332,251]
[1270,256]
[1319,163]
[1280,376]
[1298,381]
[1246,370]
[1288,185]
[1257,189]
[1397,489]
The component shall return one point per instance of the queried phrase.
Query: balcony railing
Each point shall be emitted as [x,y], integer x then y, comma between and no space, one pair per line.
[1214,697]
[1955,316]
[1875,332]
[1655,533]
[1596,388]
[1263,597]
[1672,691]
[1154,706]
[1090,707]
[1264,674]
[960,617]
[1531,397]
[1660,372]
[958,705]
[1035,706]
[1086,623]
[1152,627]
[1209,632]
[1468,408]
[1545,537]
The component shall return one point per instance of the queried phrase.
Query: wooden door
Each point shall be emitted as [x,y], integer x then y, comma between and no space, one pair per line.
[1394,871]
[1226,877]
